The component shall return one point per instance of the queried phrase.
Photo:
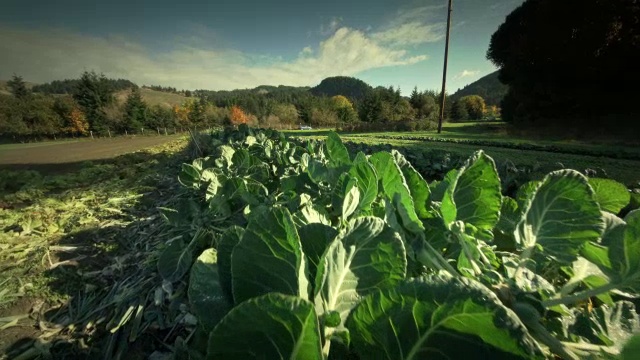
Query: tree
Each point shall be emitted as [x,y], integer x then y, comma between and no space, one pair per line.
[94,93]
[344,109]
[459,111]
[560,58]
[18,87]
[474,105]
[238,116]
[73,121]
[135,110]
[286,113]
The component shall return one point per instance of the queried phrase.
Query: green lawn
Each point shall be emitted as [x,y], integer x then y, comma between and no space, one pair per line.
[37,144]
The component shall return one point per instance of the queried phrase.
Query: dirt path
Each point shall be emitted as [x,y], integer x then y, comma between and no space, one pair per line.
[59,154]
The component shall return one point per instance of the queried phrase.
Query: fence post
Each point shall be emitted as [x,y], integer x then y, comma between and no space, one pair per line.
[142,131]
[91,132]
[158,130]
[126,133]
[109,131]
[165,131]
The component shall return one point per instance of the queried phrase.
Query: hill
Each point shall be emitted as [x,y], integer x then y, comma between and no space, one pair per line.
[153,97]
[342,85]
[488,87]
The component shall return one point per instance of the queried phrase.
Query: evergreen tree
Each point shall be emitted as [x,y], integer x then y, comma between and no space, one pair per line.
[93,93]
[135,111]
[18,87]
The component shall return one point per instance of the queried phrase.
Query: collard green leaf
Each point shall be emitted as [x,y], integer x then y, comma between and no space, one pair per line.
[205,291]
[624,254]
[395,189]
[508,216]
[631,349]
[350,203]
[441,318]
[610,194]
[228,241]
[189,176]
[608,325]
[368,255]
[418,187]
[273,326]
[269,258]
[439,188]
[613,228]
[526,191]
[474,196]
[367,182]
[176,259]
[338,153]
[315,239]
[560,217]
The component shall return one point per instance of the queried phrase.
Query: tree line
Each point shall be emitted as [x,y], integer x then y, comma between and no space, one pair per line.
[88,104]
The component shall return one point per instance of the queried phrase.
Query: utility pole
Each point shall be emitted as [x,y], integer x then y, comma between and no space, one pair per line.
[444,70]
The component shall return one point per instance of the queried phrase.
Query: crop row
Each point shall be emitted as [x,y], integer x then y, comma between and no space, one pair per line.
[303,250]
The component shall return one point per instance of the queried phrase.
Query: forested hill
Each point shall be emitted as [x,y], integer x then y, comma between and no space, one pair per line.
[488,87]
[342,85]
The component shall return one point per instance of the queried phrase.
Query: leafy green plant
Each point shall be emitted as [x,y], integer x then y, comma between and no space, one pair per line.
[322,253]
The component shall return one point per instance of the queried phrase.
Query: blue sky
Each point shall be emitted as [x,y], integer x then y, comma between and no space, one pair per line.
[242,44]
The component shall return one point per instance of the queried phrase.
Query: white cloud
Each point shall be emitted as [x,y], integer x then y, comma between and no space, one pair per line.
[413,26]
[413,33]
[45,55]
[466,73]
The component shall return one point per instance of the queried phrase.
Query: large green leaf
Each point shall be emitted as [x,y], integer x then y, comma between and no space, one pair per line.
[367,183]
[176,259]
[205,291]
[624,253]
[610,194]
[315,239]
[438,318]
[228,241]
[269,258]
[607,325]
[189,176]
[368,255]
[417,185]
[474,196]
[273,326]
[338,153]
[395,189]
[560,217]
[631,349]
[439,188]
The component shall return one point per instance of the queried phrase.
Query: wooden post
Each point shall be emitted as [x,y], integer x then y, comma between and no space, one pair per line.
[165,131]
[91,132]
[109,131]
[444,70]
[158,130]
[142,131]
[126,133]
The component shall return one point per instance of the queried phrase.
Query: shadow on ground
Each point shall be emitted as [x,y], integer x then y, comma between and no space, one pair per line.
[93,277]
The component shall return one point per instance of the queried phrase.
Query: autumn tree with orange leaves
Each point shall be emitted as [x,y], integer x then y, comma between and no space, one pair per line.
[238,116]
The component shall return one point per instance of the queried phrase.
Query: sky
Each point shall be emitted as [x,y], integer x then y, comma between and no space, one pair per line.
[238,44]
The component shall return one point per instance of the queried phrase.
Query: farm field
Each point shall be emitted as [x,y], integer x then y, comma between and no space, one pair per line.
[114,257]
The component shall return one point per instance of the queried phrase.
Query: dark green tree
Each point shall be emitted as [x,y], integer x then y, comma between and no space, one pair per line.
[571,62]
[18,87]
[94,93]
[135,111]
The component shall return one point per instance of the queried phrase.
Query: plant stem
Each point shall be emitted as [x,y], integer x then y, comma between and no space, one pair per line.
[580,296]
